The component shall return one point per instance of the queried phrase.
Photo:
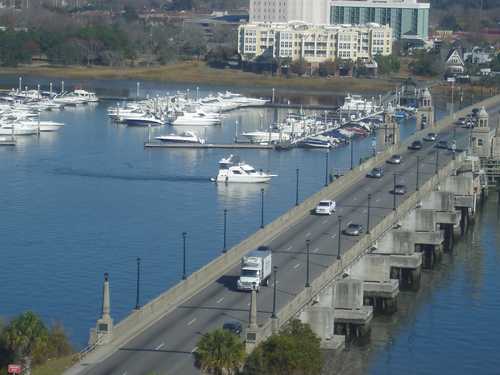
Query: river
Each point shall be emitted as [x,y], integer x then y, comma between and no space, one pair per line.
[90,199]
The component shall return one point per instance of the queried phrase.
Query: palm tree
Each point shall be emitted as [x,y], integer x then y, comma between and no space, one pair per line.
[27,337]
[220,352]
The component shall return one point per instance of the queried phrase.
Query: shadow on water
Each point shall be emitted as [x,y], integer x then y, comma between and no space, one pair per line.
[128,177]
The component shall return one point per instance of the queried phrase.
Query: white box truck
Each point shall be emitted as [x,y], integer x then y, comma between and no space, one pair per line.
[256,268]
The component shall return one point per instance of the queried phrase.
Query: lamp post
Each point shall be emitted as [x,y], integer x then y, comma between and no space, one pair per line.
[297,187]
[394,194]
[275,270]
[368,215]
[437,161]
[224,249]
[352,154]
[339,240]
[262,208]
[308,243]
[184,235]
[418,174]
[137,305]
[326,167]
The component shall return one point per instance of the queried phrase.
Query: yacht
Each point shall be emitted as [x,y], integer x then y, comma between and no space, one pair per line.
[319,141]
[266,137]
[185,137]
[18,129]
[87,96]
[144,120]
[231,169]
[44,126]
[356,103]
[198,118]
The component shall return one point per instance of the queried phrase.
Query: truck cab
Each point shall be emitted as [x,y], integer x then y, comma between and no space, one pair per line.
[255,270]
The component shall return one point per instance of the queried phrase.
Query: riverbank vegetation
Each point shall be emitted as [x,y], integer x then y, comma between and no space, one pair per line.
[27,341]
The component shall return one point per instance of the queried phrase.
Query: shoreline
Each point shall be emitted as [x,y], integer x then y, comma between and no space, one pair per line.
[200,73]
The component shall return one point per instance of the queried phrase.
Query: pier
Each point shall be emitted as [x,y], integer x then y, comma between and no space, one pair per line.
[197,146]
[337,283]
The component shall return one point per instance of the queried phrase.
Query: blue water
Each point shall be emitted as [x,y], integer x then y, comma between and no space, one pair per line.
[90,199]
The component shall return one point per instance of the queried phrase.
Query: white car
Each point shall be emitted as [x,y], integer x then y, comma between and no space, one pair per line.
[325,207]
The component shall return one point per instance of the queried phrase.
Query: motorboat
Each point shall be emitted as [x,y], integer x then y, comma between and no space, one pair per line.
[231,169]
[87,96]
[266,137]
[185,137]
[43,126]
[198,118]
[356,103]
[319,141]
[18,129]
[144,120]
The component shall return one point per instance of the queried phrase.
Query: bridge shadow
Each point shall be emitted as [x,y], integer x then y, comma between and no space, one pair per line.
[228,282]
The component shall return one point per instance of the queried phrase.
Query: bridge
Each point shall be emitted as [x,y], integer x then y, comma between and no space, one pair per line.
[332,281]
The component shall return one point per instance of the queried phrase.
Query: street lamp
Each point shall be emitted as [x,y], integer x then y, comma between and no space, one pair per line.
[308,242]
[394,194]
[262,207]
[352,154]
[437,161]
[137,305]
[326,167]
[297,187]
[368,216]
[184,234]
[340,235]
[224,249]
[418,174]
[275,270]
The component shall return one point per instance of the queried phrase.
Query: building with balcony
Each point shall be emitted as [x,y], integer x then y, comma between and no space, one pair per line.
[314,43]
[406,17]
[311,11]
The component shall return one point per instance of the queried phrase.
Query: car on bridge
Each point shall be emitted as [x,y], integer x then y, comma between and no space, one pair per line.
[399,189]
[325,207]
[415,145]
[353,230]
[395,159]
[430,137]
[376,173]
[442,145]
[233,326]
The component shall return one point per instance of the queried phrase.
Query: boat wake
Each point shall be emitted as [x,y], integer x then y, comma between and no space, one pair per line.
[128,177]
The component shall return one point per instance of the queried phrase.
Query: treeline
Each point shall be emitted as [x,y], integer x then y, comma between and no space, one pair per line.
[294,350]
[26,340]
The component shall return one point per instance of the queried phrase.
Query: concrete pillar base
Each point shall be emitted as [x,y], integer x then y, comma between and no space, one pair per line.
[381,305]
[409,278]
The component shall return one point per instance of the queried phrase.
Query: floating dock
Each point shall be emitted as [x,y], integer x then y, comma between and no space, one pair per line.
[249,146]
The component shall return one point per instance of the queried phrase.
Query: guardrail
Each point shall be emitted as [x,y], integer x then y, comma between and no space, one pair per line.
[140,320]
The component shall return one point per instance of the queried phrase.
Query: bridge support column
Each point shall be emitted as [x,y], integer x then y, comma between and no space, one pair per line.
[252,329]
[464,220]
[449,237]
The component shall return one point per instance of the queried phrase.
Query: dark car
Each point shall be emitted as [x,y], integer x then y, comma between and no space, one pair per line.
[376,173]
[430,137]
[399,189]
[353,230]
[475,112]
[395,159]
[415,145]
[233,326]
[443,145]
[264,248]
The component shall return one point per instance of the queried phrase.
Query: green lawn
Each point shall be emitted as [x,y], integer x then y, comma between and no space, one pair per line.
[55,366]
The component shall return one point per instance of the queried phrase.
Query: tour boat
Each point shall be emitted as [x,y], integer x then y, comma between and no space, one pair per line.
[231,169]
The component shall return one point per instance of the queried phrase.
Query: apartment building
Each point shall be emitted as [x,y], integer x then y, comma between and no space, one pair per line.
[311,11]
[405,17]
[315,43]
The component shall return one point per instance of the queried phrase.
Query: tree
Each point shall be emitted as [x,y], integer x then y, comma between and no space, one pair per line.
[427,64]
[449,22]
[327,68]
[220,352]
[387,64]
[58,344]
[295,350]
[27,337]
[299,66]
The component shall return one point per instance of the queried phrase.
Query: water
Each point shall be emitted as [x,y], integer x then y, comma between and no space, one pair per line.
[451,325]
[90,199]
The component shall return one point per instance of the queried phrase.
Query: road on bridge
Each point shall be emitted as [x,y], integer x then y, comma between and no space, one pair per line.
[167,346]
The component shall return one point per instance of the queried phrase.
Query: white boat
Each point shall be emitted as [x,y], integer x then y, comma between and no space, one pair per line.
[266,137]
[87,96]
[231,169]
[356,103]
[196,119]
[144,120]
[44,126]
[319,141]
[17,129]
[185,137]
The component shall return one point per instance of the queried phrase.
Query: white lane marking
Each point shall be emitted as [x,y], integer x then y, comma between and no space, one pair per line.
[125,373]
[324,221]
[191,321]
[334,235]
[248,304]
[377,200]
[289,248]
[365,211]
[220,300]
[296,266]
[308,234]
[316,250]
[354,199]
[160,346]
[194,349]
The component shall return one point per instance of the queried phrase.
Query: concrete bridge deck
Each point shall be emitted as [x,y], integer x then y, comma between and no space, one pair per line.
[167,345]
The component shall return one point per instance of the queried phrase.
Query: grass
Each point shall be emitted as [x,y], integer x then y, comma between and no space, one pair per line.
[199,73]
[55,366]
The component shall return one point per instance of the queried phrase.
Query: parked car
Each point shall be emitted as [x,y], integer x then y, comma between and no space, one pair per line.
[443,145]
[395,159]
[430,137]
[264,248]
[376,173]
[415,145]
[233,326]
[399,189]
[325,207]
[353,230]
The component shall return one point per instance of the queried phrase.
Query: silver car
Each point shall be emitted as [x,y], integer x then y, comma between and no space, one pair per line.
[353,230]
